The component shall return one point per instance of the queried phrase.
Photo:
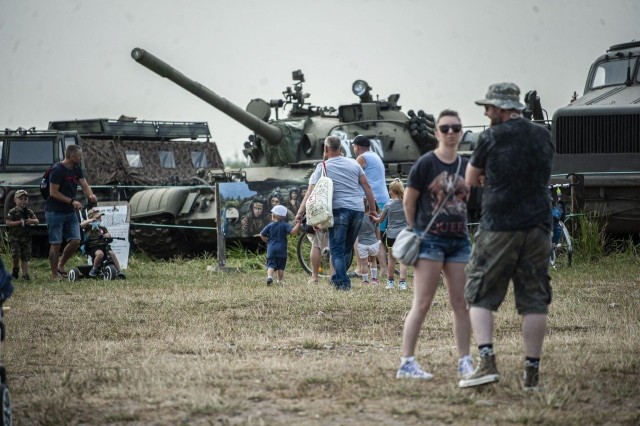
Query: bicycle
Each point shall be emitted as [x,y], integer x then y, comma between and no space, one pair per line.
[561,244]
[303,251]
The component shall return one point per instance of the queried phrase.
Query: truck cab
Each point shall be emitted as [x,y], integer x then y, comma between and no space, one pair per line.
[598,136]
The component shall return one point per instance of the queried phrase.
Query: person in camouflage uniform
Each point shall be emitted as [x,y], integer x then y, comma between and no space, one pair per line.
[512,162]
[94,234]
[255,220]
[19,221]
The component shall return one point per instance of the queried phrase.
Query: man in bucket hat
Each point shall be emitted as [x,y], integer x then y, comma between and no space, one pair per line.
[512,162]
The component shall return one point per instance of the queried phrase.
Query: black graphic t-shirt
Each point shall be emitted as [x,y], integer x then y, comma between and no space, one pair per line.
[435,179]
[516,157]
[68,179]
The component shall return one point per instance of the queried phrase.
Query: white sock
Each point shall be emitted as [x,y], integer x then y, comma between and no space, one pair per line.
[404,360]
[374,273]
[365,277]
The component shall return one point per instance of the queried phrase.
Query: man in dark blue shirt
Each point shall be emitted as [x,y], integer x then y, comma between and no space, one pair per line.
[61,207]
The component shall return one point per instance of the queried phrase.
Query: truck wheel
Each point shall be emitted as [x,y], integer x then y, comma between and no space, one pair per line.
[5,399]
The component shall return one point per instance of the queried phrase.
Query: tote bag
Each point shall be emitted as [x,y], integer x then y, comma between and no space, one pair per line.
[319,203]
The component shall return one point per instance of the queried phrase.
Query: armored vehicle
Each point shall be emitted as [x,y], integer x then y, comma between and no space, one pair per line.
[25,154]
[121,156]
[126,155]
[282,152]
[598,136]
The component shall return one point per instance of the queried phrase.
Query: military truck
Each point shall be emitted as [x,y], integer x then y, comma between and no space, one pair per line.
[25,154]
[597,136]
[121,156]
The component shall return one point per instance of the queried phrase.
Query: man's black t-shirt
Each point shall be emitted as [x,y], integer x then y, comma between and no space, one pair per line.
[68,179]
[516,157]
[434,179]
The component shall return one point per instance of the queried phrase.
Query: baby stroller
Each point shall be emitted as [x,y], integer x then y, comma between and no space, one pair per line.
[106,270]
[6,289]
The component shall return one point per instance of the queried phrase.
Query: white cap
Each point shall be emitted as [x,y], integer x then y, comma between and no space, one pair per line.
[279,210]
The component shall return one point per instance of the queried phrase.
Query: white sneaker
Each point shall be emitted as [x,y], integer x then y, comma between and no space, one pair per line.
[390,284]
[412,370]
[465,366]
[402,285]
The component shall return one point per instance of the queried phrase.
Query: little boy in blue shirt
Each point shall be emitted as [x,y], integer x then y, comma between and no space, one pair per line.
[275,235]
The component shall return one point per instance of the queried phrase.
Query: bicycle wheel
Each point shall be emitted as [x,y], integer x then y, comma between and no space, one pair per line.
[562,251]
[305,244]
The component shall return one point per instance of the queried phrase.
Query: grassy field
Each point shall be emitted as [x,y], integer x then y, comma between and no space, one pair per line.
[178,344]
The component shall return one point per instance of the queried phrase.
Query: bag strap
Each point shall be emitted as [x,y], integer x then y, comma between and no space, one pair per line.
[324,169]
[441,207]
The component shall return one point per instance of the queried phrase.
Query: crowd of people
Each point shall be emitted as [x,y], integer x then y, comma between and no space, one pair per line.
[512,164]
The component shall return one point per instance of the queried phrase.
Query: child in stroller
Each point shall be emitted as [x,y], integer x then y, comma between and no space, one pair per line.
[96,244]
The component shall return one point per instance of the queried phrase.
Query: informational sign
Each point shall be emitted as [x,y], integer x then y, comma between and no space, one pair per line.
[116,220]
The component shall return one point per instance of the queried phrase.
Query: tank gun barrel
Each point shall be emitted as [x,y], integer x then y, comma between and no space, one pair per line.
[271,133]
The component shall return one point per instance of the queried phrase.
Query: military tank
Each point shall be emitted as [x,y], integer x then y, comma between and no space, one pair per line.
[282,152]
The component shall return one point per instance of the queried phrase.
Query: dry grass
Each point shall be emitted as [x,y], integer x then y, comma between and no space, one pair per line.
[175,344]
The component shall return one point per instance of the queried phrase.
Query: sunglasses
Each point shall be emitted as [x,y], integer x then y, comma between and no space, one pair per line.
[444,128]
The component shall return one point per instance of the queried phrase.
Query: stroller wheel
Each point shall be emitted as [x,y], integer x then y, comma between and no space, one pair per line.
[5,399]
[109,272]
[73,274]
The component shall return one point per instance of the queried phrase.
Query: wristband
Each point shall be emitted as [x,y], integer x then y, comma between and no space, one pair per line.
[72,200]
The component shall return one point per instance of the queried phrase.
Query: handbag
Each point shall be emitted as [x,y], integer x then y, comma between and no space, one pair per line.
[319,204]
[406,247]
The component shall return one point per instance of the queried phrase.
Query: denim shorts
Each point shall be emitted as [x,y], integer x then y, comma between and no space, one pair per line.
[62,224]
[445,249]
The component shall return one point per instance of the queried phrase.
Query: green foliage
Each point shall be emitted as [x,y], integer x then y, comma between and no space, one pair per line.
[591,239]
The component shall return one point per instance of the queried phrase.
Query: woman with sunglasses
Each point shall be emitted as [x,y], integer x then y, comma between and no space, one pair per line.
[435,198]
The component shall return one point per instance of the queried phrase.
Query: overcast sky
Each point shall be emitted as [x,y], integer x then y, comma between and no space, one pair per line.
[70,59]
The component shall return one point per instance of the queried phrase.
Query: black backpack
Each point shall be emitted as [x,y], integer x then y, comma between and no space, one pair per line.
[44,183]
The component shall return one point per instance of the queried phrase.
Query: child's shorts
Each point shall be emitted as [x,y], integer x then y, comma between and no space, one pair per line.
[366,251]
[21,249]
[276,263]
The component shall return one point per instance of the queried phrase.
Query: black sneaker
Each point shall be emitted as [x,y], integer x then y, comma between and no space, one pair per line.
[26,277]
[487,372]
[531,378]
[121,275]
[15,273]
[269,280]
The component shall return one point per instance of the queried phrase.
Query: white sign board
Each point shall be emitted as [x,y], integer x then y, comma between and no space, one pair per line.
[116,220]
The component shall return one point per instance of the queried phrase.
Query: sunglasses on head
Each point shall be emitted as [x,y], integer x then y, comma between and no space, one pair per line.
[444,128]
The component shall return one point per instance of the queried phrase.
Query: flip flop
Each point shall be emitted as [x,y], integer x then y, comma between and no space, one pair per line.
[63,274]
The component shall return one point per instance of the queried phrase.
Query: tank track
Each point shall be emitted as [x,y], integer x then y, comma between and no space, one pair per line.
[160,243]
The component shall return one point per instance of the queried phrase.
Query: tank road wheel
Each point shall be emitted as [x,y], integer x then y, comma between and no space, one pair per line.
[109,272]
[160,243]
[304,255]
[73,274]
[5,400]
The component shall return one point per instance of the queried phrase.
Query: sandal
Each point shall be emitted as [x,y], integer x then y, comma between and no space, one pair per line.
[62,274]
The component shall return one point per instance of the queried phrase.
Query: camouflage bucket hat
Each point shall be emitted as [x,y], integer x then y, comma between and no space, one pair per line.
[95,213]
[503,95]
[19,193]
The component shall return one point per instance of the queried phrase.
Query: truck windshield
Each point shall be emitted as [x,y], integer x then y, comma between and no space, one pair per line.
[37,152]
[612,72]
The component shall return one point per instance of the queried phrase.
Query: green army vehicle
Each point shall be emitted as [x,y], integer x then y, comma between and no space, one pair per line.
[282,152]
[25,154]
[597,136]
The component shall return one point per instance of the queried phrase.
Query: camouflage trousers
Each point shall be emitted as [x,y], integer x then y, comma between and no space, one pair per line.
[499,257]
[20,248]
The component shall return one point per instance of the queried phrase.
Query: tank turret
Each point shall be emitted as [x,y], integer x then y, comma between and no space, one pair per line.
[297,139]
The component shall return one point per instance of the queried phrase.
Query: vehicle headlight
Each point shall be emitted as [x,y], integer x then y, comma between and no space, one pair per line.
[360,88]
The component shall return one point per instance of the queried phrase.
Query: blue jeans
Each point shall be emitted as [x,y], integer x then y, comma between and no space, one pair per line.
[62,225]
[342,236]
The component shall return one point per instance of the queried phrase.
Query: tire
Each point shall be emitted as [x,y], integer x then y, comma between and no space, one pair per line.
[303,252]
[3,375]
[109,272]
[562,251]
[5,399]
[73,274]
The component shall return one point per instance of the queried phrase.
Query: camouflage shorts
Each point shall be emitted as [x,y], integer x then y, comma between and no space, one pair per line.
[20,248]
[521,256]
